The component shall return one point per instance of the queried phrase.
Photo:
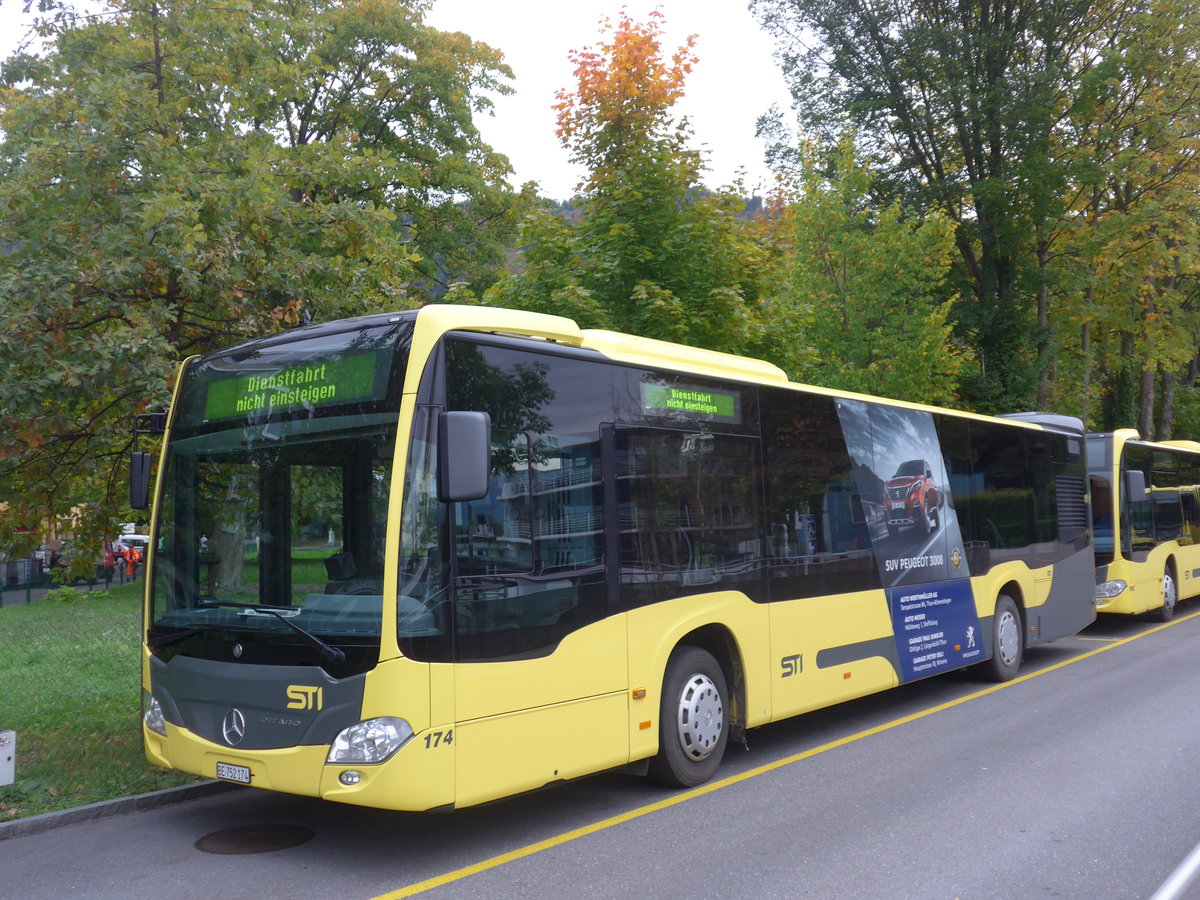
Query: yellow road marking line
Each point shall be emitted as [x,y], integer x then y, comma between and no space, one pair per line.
[604,824]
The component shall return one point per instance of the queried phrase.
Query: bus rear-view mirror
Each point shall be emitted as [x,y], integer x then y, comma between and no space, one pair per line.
[1135,484]
[464,455]
[139,480]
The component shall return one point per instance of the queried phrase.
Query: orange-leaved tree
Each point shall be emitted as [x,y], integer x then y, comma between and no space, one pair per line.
[623,99]
[654,251]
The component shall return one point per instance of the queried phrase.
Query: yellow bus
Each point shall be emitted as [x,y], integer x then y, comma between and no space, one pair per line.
[1146,522]
[430,559]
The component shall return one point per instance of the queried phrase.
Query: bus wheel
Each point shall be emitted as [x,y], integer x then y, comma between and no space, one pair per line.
[692,723]
[1007,642]
[1170,596]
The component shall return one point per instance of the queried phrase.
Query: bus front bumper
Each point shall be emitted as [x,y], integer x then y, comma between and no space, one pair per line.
[413,779]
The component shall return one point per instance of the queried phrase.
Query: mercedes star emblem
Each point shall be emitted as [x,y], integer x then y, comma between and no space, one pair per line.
[233,726]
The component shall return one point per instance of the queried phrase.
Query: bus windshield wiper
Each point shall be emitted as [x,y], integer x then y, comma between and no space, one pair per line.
[326,652]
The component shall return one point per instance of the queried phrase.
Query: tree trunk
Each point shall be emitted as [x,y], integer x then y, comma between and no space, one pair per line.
[227,546]
[1146,401]
[1166,413]
[1043,326]
[1085,346]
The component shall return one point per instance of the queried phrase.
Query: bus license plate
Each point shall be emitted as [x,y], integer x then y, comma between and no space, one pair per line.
[230,772]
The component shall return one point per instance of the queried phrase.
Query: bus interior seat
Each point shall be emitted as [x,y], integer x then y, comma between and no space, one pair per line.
[345,578]
[340,566]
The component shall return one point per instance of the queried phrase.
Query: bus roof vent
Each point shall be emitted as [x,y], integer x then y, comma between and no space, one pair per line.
[1050,421]
[650,352]
[445,317]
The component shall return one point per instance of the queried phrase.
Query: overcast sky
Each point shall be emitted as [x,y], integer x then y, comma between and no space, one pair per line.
[735,81]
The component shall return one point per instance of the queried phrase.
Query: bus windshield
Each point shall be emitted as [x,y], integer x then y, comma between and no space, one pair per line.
[272,519]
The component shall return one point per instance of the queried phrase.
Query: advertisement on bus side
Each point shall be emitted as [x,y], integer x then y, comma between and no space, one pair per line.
[936,628]
[908,513]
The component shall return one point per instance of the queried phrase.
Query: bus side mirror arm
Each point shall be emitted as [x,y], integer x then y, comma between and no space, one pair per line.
[464,455]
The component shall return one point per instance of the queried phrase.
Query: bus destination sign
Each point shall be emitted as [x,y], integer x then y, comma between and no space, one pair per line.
[700,402]
[325,383]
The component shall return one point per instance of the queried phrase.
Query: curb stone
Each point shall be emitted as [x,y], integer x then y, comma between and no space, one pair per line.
[108,808]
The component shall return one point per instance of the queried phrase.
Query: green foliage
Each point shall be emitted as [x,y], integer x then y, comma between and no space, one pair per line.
[654,252]
[180,176]
[1130,242]
[1061,137]
[955,105]
[72,695]
[66,594]
[867,290]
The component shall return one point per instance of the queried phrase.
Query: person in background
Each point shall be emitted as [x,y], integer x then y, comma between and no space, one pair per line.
[108,563]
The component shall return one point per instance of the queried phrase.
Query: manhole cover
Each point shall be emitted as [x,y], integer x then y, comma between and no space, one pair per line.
[254,839]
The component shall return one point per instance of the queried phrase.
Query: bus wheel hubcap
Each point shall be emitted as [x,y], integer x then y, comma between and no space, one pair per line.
[700,717]
[1008,638]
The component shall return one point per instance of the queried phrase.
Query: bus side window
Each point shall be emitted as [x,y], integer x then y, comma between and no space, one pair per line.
[491,534]
[688,513]
[1137,516]
[529,554]
[817,535]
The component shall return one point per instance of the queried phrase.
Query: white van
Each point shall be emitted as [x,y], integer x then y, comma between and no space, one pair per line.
[125,541]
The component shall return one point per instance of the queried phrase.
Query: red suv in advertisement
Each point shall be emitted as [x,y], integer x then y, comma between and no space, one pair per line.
[911,498]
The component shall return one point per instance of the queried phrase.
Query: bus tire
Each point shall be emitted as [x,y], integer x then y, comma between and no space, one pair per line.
[1008,642]
[693,724]
[1170,597]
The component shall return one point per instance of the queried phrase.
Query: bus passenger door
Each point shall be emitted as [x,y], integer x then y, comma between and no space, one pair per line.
[540,668]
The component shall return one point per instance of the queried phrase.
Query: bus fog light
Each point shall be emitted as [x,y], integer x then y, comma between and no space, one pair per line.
[350,778]
[1108,589]
[372,741]
[153,715]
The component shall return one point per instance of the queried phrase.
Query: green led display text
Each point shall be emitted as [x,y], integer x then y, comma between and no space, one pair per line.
[308,386]
[662,398]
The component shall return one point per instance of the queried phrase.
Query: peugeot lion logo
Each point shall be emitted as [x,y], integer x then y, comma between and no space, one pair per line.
[233,726]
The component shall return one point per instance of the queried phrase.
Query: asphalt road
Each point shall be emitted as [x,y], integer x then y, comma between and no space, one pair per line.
[1080,779]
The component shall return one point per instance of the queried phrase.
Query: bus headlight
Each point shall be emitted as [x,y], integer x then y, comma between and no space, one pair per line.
[1106,590]
[152,717]
[372,741]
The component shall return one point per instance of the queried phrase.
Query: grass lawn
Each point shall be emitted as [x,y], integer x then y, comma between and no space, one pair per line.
[71,690]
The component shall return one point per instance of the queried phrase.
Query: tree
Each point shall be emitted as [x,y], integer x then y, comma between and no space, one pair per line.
[1128,248]
[654,252]
[867,288]
[959,101]
[176,176]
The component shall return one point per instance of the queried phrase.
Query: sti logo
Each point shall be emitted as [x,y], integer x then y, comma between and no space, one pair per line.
[301,696]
